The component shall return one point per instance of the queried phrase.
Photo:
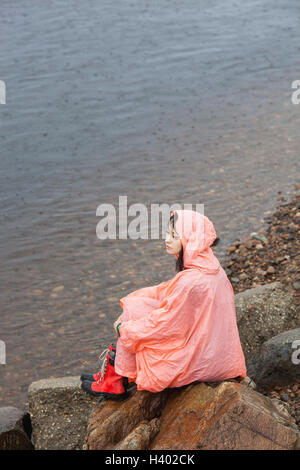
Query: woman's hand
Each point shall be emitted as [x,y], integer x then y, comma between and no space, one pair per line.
[115,326]
[119,320]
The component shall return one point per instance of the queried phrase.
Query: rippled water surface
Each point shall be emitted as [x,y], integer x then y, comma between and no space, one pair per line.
[162,101]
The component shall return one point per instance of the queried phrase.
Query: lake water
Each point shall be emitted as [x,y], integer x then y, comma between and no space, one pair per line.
[164,102]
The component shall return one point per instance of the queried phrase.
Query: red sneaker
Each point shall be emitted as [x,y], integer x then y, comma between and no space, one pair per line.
[95,377]
[109,385]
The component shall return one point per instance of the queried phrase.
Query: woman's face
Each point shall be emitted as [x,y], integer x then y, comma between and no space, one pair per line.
[173,242]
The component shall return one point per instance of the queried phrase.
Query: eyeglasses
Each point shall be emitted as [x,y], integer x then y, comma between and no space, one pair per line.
[175,236]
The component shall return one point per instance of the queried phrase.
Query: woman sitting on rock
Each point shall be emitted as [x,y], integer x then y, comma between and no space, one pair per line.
[181,331]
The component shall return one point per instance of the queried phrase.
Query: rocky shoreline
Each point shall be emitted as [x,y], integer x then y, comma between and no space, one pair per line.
[264,272]
[269,256]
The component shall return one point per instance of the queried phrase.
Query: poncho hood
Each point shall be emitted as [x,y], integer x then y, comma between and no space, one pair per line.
[197,234]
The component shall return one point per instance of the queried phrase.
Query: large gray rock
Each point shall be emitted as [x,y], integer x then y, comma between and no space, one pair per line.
[264,312]
[15,429]
[277,361]
[59,411]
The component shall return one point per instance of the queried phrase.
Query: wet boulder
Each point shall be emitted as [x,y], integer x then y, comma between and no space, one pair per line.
[215,416]
[128,424]
[263,312]
[15,429]
[59,411]
[277,362]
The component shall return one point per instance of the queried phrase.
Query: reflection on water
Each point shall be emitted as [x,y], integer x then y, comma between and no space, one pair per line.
[159,101]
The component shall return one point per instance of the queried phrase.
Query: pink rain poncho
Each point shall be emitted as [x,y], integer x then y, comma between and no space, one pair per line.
[183,330]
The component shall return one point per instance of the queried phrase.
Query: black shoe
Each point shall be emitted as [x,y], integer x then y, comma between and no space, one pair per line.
[88,377]
[91,389]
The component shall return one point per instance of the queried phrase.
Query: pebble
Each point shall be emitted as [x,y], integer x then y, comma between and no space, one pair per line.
[58,289]
[243,276]
[259,236]
[285,397]
[37,292]
[249,244]
[270,270]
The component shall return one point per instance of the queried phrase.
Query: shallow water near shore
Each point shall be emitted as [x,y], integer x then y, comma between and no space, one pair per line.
[159,101]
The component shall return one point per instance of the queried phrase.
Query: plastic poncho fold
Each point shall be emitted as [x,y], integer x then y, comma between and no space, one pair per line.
[182,330]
